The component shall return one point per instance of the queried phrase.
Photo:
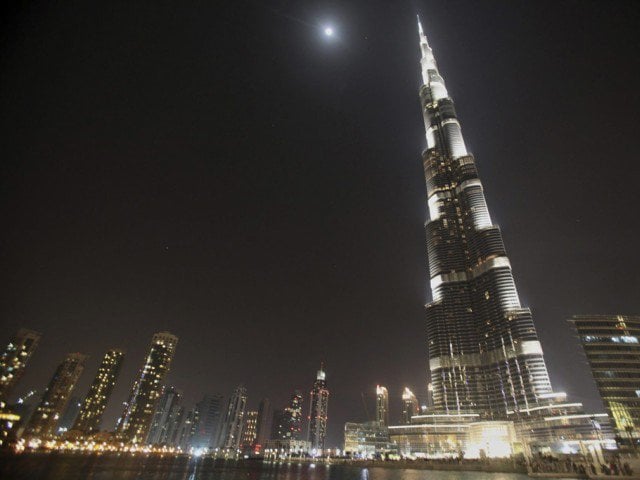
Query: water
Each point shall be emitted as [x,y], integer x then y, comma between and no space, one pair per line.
[125,467]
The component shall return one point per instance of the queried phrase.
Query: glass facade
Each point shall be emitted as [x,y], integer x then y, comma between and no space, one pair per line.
[612,346]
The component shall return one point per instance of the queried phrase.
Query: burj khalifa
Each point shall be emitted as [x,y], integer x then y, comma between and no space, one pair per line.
[484,353]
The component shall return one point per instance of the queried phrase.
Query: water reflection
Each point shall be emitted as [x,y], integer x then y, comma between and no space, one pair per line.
[126,467]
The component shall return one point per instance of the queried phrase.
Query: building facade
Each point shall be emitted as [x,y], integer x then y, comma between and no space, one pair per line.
[165,417]
[14,360]
[382,405]
[56,397]
[207,427]
[250,430]
[263,428]
[367,440]
[410,405]
[318,409]
[94,404]
[231,431]
[612,346]
[133,426]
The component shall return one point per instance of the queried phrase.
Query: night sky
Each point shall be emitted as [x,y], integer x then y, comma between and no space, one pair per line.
[228,173]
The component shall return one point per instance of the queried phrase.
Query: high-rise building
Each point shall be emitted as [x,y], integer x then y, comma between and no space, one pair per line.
[207,427]
[186,429]
[264,422]
[249,430]
[164,418]
[136,419]
[90,416]
[69,416]
[279,425]
[231,430]
[54,401]
[612,346]
[382,405]
[319,405]
[293,416]
[484,352]
[410,405]
[14,359]
[287,423]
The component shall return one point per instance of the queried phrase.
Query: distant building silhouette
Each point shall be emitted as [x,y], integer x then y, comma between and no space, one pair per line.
[207,426]
[265,416]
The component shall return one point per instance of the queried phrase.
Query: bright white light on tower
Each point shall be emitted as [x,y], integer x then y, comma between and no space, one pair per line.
[328,31]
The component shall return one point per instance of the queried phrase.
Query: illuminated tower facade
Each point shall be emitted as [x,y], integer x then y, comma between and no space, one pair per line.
[382,405]
[54,401]
[249,431]
[231,431]
[14,359]
[293,416]
[136,419]
[318,411]
[90,416]
[410,406]
[484,353]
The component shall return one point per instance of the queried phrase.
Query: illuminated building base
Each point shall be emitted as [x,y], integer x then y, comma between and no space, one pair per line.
[557,428]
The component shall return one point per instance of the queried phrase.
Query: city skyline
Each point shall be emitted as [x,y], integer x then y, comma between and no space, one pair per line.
[198,237]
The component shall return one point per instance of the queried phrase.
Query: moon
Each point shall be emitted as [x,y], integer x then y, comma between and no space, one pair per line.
[328,31]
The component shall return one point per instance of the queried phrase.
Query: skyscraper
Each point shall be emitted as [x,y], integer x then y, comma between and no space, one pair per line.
[287,423]
[231,431]
[410,406]
[14,359]
[56,397]
[279,425]
[249,430]
[293,416]
[264,422]
[69,416]
[484,352]
[318,411]
[95,402]
[612,346]
[165,417]
[136,419]
[382,405]
[207,426]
